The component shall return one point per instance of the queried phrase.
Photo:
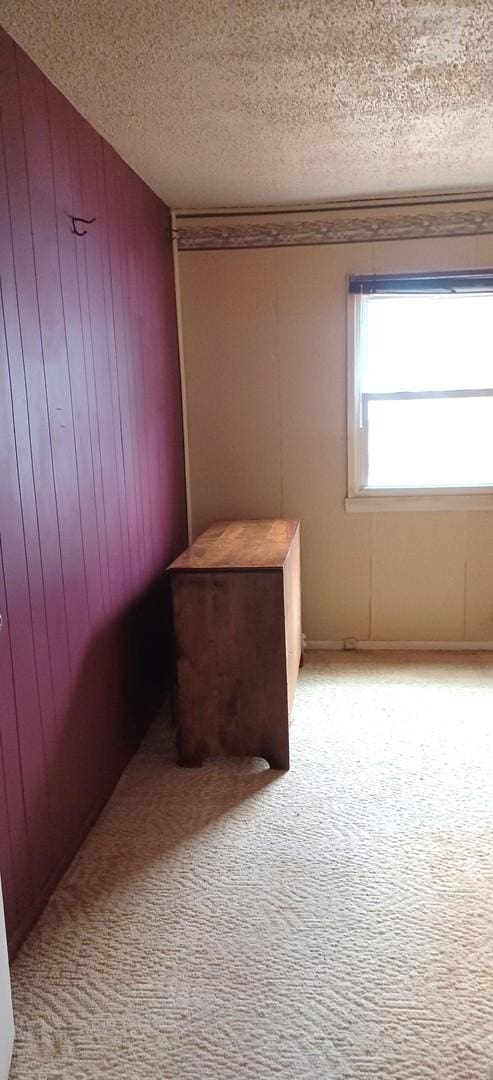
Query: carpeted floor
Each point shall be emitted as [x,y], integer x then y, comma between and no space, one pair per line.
[333,923]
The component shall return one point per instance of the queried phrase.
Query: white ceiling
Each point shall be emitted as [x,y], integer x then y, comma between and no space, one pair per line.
[222,103]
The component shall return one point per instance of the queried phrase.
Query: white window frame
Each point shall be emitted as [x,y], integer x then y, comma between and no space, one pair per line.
[361,499]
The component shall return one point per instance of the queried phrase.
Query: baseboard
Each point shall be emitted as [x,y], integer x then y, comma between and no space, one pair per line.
[398,646]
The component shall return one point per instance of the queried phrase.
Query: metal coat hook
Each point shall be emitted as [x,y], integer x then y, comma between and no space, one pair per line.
[85,221]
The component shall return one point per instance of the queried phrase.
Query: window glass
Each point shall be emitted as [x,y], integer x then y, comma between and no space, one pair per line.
[430,442]
[426,342]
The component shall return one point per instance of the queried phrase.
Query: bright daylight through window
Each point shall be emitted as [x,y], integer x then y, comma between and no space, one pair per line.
[421,384]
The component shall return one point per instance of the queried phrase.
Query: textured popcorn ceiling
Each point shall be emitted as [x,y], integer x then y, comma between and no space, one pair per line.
[238,102]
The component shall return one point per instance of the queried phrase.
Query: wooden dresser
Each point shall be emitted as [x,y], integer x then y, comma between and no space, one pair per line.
[237,615]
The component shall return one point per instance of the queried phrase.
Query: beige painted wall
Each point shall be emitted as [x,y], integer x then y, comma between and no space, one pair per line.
[265,362]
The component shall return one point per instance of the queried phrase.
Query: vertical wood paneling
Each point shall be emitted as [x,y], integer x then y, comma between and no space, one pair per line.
[92,503]
[112,358]
[6,856]
[161,271]
[30,403]
[86,339]
[23,513]
[16,871]
[147,360]
[88,154]
[64,198]
[136,523]
[121,364]
[135,316]
[54,359]
[14,849]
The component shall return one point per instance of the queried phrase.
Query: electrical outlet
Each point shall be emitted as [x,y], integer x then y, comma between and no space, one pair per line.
[350,643]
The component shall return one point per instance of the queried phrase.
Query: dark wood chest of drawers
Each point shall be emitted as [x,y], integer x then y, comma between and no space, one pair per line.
[237,616]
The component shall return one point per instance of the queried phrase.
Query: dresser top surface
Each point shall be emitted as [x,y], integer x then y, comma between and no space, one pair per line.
[240,545]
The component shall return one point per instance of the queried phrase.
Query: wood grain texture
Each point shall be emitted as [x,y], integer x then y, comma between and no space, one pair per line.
[238,642]
[292,611]
[240,545]
[92,499]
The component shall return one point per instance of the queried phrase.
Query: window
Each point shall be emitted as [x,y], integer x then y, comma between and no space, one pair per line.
[420,416]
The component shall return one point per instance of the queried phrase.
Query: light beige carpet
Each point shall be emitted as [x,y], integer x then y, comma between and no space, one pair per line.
[333,923]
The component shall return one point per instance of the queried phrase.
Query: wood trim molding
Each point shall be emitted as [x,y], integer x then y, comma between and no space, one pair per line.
[446,501]
[338,228]
[399,646]
[183,384]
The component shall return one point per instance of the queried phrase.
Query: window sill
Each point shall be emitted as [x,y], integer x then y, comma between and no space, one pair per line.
[396,504]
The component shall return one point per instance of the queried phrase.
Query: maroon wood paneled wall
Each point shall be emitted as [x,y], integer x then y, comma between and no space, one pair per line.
[92,499]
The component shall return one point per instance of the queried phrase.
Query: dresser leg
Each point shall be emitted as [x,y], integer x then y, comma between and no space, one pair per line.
[190,755]
[279,762]
[190,761]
